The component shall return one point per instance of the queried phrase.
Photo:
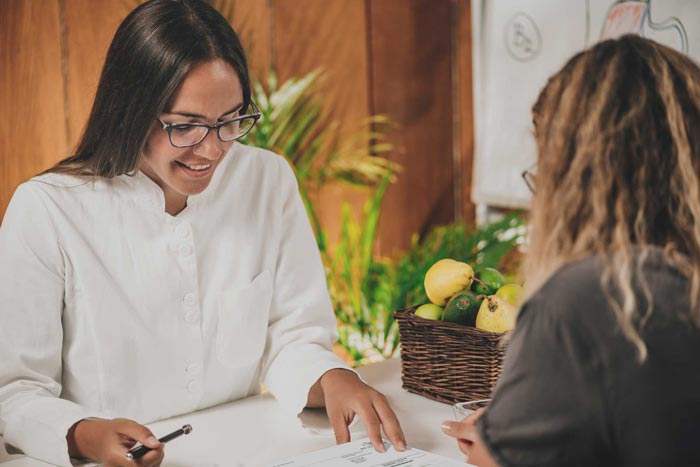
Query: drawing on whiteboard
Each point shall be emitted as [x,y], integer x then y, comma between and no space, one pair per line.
[523,38]
[632,16]
[519,44]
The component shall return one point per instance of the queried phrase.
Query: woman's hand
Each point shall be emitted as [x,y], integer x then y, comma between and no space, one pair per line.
[468,439]
[107,441]
[345,395]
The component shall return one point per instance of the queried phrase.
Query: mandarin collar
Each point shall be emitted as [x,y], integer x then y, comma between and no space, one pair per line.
[147,192]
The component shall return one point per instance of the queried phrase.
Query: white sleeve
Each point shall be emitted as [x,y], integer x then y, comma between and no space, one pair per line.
[302,326]
[32,416]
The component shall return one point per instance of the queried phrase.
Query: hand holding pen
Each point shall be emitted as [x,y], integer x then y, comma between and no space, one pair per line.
[138,451]
[108,441]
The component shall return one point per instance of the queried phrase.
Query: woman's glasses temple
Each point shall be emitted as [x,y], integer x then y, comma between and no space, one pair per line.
[529,178]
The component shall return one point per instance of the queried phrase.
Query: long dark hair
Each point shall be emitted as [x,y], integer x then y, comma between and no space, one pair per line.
[152,51]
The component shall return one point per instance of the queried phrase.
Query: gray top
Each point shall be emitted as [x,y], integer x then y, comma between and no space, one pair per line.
[572,391]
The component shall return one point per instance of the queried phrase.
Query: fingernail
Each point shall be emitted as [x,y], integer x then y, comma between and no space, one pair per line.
[152,441]
[401,445]
[446,426]
[381,448]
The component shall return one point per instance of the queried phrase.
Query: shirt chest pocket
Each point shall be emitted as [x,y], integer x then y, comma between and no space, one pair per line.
[243,319]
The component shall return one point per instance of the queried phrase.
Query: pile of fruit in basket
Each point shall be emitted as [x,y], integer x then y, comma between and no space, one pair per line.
[458,295]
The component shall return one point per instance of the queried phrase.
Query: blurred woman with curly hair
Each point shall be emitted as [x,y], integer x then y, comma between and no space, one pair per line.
[602,368]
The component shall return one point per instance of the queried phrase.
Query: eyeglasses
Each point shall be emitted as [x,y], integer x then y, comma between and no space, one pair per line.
[185,135]
[529,177]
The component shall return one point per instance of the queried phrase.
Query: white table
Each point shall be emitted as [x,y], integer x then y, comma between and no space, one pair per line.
[254,431]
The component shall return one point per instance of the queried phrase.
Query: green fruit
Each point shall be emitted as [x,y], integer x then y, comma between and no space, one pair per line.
[462,308]
[445,278]
[487,281]
[496,315]
[511,293]
[429,311]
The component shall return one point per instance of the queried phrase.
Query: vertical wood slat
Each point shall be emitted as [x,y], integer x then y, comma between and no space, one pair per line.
[411,82]
[89,31]
[331,34]
[252,21]
[465,107]
[33,127]
[308,34]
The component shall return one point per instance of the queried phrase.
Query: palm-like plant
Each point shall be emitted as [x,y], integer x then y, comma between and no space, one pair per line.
[295,125]
[364,290]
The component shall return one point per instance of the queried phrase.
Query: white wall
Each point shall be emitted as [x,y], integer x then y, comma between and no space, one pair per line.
[518,44]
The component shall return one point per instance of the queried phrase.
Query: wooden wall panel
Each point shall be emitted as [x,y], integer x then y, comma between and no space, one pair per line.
[33,126]
[412,83]
[89,31]
[325,33]
[332,34]
[381,56]
[465,105]
[252,20]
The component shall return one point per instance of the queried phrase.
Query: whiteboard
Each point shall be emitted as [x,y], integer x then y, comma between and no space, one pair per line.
[518,44]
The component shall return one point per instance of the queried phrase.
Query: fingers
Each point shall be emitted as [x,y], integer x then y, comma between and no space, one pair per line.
[465,446]
[475,416]
[345,395]
[138,433]
[391,424]
[370,420]
[151,459]
[340,426]
[117,458]
[460,430]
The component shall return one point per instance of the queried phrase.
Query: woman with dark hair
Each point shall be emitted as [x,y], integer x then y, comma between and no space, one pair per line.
[602,366]
[164,267]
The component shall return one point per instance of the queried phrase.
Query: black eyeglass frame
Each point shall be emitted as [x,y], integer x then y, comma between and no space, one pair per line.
[168,127]
[529,177]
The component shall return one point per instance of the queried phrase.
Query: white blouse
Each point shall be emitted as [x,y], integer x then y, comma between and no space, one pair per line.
[113,308]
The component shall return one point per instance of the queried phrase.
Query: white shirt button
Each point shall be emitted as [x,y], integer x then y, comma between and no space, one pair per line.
[193,386]
[182,230]
[192,316]
[185,250]
[192,369]
[189,299]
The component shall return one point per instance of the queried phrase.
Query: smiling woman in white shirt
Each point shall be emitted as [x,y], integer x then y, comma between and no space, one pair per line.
[164,267]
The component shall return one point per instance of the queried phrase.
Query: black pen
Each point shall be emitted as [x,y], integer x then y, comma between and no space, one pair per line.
[138,451]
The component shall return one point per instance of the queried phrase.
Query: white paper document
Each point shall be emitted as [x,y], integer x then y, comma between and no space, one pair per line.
[362,453]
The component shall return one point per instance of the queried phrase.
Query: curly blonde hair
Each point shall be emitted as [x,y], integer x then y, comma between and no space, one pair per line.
[618,139]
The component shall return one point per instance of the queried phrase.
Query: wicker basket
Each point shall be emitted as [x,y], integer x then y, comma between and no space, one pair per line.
[448,362]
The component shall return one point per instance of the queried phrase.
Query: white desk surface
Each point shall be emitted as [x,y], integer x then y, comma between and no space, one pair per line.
[254,431]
